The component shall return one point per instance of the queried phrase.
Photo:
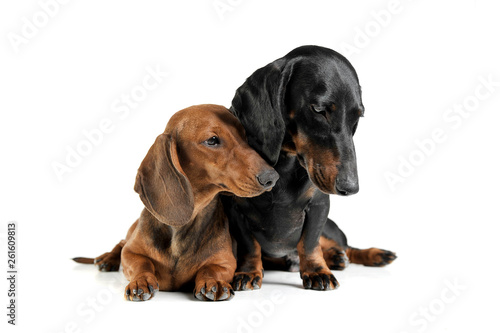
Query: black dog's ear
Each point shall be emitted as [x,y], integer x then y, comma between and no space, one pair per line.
[259,104]
[162,185]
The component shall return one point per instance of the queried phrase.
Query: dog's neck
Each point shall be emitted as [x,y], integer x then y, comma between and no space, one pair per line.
[204,219]
[204,202]
[190,238]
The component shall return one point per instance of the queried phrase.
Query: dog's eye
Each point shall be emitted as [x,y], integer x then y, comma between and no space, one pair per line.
[213,141]
[317,108]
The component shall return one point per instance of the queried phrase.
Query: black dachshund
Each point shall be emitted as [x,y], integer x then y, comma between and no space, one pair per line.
[300,113]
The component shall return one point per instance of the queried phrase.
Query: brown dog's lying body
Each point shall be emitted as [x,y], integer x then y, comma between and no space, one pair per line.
[182,236]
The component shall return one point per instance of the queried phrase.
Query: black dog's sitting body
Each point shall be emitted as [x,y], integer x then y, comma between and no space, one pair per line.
[277,219]
[300,113]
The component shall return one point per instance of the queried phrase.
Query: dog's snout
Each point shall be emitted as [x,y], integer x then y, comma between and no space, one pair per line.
[268,178]
[346,187]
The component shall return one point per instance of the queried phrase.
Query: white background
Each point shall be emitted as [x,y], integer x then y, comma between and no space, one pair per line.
[413,65]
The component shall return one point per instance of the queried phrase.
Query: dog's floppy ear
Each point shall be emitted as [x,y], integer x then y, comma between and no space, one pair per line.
[162,185]
[259,104]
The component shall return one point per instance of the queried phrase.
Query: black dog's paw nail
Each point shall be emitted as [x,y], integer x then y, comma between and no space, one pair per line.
[306,282]
[317,282]
[334,281]
[236,282]
[244,282]
[255,283]
[326,282]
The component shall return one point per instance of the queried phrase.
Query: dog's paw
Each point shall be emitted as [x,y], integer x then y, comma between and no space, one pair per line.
[336,260]
[247,281]
[108,262]
[141,289]
[321,280]
[213,291]
[380,258]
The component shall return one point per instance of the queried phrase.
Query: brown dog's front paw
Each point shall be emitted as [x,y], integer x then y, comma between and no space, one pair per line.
[214,291]
[247,281]
[108,262]
[141,289]
[322,280]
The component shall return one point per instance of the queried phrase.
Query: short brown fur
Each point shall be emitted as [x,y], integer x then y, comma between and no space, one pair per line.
[182,236]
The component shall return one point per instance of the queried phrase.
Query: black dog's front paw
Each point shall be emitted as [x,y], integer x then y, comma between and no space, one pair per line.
[247,281]
[322,280]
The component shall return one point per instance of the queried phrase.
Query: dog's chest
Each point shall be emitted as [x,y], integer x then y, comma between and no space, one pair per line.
[177,266]
[294,189]
[175,271]
[186,249]
[276,218]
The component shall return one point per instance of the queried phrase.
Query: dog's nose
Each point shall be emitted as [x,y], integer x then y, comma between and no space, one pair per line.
[347,187]
[268,178]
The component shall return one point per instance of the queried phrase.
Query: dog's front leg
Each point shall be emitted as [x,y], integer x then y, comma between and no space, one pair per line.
[140,271]
[250,270]
[213,281]
[314,272]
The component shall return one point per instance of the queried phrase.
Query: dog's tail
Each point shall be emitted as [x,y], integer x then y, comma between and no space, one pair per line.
[83,260]
[107,262]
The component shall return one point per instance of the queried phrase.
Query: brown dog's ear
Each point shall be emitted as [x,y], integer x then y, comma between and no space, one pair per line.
[162,185]
[259,104]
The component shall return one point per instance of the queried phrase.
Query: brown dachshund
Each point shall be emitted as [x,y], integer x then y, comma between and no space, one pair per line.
[182,236]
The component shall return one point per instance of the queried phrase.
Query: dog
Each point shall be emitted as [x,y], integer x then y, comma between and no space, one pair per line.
[182,236]
[300,113]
